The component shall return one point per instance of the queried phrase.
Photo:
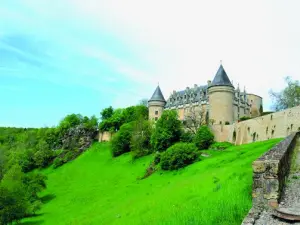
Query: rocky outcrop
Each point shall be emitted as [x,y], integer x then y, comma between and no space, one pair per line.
[78,137]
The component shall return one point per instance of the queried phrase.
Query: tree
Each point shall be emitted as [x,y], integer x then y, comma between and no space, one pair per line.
[167,131]
[288,97]
[144,102]
[203,138]
[140,141]
[107,113]
[194,118]
[121,140]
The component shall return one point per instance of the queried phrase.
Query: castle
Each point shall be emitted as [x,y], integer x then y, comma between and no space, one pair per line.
[217,102]
[222,106]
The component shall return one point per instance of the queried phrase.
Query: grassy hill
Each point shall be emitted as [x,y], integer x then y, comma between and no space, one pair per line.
[99,189]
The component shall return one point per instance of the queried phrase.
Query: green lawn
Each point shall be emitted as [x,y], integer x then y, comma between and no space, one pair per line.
[96,189]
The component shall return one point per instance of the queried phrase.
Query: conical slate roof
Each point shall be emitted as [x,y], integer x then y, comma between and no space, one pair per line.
[157,96]
[221,78]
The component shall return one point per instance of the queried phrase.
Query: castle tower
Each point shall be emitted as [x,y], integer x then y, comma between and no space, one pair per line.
[156,104]
[221,98]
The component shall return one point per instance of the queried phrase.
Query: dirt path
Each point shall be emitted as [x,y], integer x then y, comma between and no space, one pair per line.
[291,195]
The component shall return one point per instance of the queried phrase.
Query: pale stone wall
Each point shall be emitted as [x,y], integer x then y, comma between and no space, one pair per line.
[105,136]
[270,173]
[221,104]
[256,102]
[155,110]
[275,125]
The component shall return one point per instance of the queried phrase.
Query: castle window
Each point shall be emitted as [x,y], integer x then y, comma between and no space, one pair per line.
[156,112]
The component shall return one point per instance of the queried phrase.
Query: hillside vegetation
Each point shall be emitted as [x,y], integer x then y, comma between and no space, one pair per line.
[99,189]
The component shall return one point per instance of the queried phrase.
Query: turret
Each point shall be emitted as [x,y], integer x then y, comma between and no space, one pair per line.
[221,97]
[156,104]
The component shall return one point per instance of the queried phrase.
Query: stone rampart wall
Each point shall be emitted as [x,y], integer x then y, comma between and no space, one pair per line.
[105,136]
[270,172]
[274,125]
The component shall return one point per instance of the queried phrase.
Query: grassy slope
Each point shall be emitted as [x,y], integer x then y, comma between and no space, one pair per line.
[96,189]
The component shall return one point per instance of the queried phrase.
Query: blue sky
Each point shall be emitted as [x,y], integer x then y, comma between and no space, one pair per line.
[70,56]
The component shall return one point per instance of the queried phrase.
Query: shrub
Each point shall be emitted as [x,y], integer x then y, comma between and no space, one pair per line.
[187,136]
[157,158]
[58,162]
[220,145]
[203,138]
[121,140]
[243,118]
[140,141]
[227,123]
[167,131]
[178,156]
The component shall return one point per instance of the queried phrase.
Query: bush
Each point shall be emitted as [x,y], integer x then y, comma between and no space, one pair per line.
[203,138]
[167,131]
[243,118]
[140,141]
[220,145]
[227,123]
[58,162]
[121,140]
[157,158]
[178,156]
[187,136]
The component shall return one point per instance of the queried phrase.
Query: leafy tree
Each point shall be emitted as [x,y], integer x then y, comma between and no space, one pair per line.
[144,102]
[69,121]
[107,113]
[203,138]
[288,97]
[167,131]
[194,118]
[121,140]
[140,141]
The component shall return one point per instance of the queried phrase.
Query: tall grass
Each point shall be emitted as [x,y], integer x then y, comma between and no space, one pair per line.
[97,189]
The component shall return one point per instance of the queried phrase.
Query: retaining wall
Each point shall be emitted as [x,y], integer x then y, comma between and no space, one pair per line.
[269,176]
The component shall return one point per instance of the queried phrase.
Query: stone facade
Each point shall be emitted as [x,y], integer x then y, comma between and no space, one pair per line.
[274,125]
[105,136]
[217,101]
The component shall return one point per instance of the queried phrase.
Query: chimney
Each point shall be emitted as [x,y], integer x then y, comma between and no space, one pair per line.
[209,82]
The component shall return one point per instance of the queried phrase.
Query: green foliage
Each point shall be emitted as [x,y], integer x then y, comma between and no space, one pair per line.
[220,145]
[227,123]
[69,121]
[58,162]
[121,116]
[288,97]
[140,140]
[178,156]
[203,138]
[187,136]
[243,118]
[121,140]
[19,194]
[107,113]
[157,157]
[167,131]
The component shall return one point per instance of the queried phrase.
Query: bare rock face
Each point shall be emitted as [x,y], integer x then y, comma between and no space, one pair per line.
[79,138]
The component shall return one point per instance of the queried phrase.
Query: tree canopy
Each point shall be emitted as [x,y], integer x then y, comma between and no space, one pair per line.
[288,97]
